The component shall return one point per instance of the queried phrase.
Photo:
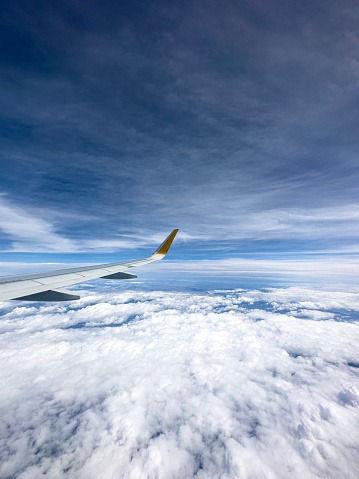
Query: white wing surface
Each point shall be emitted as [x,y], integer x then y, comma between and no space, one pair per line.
[48,286]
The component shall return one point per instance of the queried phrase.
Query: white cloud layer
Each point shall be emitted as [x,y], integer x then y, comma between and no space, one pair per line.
[232,384]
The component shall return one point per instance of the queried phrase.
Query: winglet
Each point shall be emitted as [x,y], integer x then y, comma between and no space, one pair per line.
[165,246]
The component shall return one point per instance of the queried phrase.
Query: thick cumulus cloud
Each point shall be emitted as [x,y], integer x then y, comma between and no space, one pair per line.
[231,384]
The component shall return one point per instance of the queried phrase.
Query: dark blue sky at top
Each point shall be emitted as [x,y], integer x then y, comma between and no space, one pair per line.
[235,121]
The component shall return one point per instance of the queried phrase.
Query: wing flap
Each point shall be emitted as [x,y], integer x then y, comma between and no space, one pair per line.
[65,278]
[14,286]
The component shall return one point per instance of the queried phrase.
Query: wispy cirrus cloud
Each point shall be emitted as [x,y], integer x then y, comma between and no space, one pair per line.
[26,231]
[43,230]
[239,123]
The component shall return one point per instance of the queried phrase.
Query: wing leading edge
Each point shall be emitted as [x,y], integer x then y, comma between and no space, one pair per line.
[48,286]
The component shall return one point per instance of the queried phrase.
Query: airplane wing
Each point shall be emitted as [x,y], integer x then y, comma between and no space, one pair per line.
[48,286]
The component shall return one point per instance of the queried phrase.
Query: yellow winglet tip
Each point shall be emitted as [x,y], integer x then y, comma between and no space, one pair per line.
[165,246]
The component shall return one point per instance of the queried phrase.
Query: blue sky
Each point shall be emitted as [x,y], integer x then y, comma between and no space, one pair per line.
[236,122]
